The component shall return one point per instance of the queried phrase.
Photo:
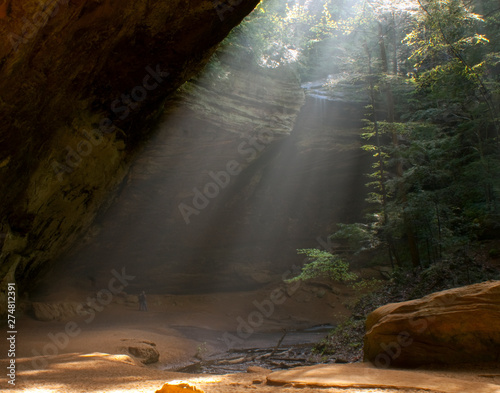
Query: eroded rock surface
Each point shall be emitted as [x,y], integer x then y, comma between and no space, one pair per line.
[57,311]
[81,83]
[367,377]
[144,351]
[455,326]
[224,194]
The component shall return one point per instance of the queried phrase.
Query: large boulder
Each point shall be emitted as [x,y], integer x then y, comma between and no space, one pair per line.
[454,326]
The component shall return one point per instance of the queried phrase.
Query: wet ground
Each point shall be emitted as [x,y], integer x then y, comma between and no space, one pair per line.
[270,350]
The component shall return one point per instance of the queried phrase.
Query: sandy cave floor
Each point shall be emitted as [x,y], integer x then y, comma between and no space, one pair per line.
[187,327]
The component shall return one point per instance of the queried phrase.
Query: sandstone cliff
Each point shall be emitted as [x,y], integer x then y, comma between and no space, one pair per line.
[225,192]
[81,83]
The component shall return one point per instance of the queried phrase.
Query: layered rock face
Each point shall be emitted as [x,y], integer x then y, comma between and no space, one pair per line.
[455,326]
[81,83]
[224,194]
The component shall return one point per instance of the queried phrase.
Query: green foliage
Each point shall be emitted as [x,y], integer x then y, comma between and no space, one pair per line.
[323,264]
[436,161]
[346,340]
[360,237]
[201,351]
[279,32]
[430,71]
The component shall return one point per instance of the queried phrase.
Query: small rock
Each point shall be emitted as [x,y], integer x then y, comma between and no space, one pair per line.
[145,352]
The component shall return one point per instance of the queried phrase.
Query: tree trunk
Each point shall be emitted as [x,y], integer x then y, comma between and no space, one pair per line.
[380,157]
[391,116]
[395,65]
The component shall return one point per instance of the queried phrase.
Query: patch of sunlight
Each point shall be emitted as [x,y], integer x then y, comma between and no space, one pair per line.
[210,379]
[5,162]
[94,354]
[34,372]
[67,366]
[131,390]
[287,56]
[116,357]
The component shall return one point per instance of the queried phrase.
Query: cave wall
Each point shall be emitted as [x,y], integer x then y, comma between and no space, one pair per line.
[181,222]
[243,170]
[82,83]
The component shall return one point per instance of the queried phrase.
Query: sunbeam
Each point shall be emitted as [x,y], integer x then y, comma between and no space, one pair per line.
[247,165]
[227,190]
[251,199]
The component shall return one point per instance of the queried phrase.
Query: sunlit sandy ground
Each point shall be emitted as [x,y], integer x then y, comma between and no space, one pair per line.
[95,360]
[100,372]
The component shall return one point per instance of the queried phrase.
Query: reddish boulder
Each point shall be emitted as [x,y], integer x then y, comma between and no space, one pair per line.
[460,325]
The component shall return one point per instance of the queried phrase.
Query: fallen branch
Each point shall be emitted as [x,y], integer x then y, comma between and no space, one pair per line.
[279,342]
